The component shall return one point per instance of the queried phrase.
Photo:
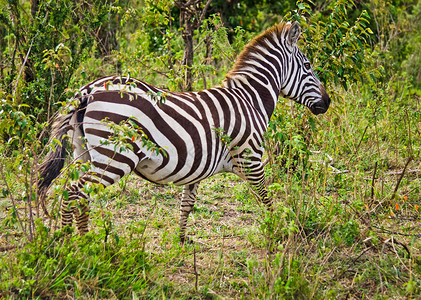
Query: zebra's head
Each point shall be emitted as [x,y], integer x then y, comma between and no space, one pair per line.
[301,84]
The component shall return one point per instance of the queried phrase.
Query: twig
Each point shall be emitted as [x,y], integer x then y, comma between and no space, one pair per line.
[14,204]
[336,171]
[409,133]
[361,254]
[359,144]
[7,248]
[400,172]
[392,173]
[202,16]
[142,237]
[29,203]
[400,178]
[169,40]
[275,152]
[23,65]
[373,180]
[382,230]
[380,277]
[406,217]
[394,241]
[195,269]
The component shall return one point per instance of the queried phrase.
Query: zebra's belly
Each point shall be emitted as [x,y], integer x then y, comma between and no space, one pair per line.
[153,170]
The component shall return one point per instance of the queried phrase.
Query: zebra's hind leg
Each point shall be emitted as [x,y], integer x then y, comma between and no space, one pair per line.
[81,213]
[187,202]
[77,205]
[77,202]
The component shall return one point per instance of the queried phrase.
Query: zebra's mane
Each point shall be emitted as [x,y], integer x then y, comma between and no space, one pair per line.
[278,32]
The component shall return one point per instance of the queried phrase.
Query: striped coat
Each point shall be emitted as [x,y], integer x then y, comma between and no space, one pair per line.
[197,134]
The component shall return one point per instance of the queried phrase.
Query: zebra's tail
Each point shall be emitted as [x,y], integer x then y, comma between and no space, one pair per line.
[54,160]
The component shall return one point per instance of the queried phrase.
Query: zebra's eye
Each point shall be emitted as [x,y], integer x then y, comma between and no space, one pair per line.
[307,65]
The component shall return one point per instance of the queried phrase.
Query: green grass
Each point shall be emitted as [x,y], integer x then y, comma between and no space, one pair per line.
[319,248]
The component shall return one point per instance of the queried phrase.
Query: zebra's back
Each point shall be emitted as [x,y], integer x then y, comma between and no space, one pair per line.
[199,133]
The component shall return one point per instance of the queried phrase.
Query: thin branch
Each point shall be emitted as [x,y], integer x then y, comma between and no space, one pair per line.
[195,269]
[400,178]
[409,133]
[359,144]
[394,241]
[202,16]
[382,230]
[29,203]
[400,172]
[23,65]
[7,248]
[373,180]
[275,152]
[14,204]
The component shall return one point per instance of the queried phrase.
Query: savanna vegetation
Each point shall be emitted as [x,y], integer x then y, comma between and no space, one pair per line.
[347,184]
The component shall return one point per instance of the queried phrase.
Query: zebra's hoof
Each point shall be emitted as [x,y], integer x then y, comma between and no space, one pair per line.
[186,240]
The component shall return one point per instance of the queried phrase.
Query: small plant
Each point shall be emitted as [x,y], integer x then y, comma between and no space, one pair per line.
[126,133]
[51,266]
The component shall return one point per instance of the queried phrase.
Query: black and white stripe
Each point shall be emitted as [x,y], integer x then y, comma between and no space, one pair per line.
[202,133]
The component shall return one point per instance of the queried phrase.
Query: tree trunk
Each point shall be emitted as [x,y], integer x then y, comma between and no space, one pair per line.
[34,8]
[188,55]
[191,18]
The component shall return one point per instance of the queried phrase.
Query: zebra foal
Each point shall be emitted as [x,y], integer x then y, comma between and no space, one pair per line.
[187,126]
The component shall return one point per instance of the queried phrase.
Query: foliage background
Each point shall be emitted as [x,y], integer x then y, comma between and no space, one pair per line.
[347,184]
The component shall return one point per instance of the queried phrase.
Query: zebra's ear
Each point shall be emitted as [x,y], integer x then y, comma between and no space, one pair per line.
[294,34]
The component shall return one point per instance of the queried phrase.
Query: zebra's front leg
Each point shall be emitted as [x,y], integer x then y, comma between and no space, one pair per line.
[260,187]
[256,178]
[187,202]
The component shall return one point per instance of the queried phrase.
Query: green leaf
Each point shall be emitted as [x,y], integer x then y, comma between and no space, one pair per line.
[56,142]
[116,238]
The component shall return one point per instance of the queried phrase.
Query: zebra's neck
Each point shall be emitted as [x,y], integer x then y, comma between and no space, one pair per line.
[260,70]
[261,92]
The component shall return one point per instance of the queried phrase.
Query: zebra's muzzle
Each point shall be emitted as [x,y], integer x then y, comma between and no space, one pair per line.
[317,110]
[322,105]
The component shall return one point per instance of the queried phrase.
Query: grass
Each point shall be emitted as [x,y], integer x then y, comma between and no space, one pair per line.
[345,225]
[327,250]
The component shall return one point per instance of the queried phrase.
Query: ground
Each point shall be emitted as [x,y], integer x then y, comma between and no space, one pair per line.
[312,247]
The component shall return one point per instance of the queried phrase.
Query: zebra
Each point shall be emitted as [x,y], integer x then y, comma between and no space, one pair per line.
[199,133]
